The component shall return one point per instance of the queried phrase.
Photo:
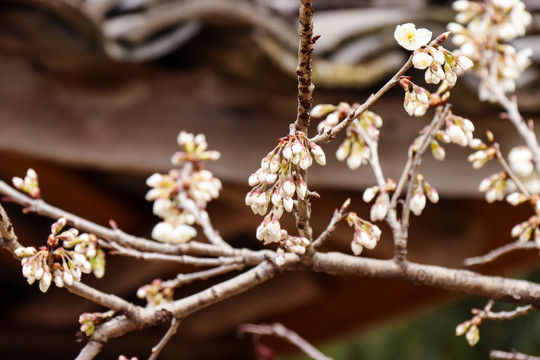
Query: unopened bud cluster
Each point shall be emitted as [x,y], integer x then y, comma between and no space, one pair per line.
[470,329]
[527,229]
[89,321]
[366,234]
[278,179]
[29,184]
[155,293]
[481,31]
[421,190]
[354,148]
[521,161]
[55,262]
[379,209]
[191,182]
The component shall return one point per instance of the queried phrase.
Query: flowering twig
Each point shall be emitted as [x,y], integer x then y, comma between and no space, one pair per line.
[512,113]
[498,252]
[503,355]
[168,335]
[410,172]
[331,134]
[284,333]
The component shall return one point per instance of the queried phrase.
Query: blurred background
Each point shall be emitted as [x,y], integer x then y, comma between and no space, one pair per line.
[93,94]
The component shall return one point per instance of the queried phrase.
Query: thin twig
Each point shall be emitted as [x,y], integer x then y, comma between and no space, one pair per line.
[504,315]
[496,253]
[509,171]
[183,259]
[331,134]
[513,114]
[183,279]
[168,335]
[503,355]
[281,331]
[334,222]
[410,172]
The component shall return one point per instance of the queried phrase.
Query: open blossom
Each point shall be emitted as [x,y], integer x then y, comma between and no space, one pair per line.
[411,38]
[176,194]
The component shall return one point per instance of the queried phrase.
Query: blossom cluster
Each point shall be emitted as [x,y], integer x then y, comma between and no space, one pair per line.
[440,64]
[366,234]
[527,229]
[421,190]
[55,262]
[155,293]
[278,179]
[29,184]
[520,161]
[481,32]
[379,209]
[191,182]
[89,321]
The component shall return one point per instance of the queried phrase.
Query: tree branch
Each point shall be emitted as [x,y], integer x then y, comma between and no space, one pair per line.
[281,331]
[168,335]
[495,254]
[493,287]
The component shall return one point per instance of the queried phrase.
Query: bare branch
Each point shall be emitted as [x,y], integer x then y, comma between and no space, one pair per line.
[110,301]
[495,254]
[8,239]
[305,51]
[168,335]
[183,279]
[504,315]
[284,333]
[493,287]
[503,355]
[183,259]
[334,222]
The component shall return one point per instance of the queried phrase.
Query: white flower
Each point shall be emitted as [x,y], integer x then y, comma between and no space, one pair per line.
[457,135]
[410,38]
[369,193]
[422,60]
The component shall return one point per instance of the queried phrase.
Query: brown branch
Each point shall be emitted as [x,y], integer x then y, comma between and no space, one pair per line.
[503,355]
[281,331]
[183,279]
[464,281]
[329,135]
[8,239]
[495,254]
[124,239]
[179,309]
[332,226]
[503,315]
[400,237]
[110,301]
[303,71]
[168,335]
[183,259]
